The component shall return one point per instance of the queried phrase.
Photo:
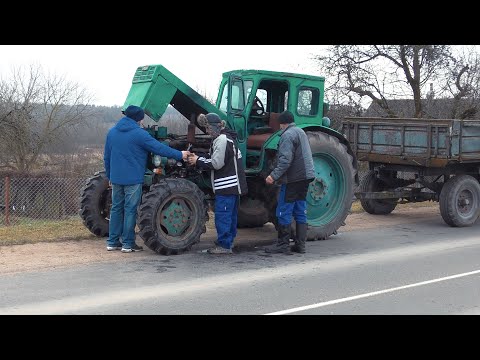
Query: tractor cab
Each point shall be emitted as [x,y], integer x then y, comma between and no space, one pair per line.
[253,100]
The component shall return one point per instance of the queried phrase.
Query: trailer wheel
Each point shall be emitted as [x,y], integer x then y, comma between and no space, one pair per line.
[371,183]
[460,201]
[172,216]
[95,204]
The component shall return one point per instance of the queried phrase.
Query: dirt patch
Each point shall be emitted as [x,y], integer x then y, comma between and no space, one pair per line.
[43,256]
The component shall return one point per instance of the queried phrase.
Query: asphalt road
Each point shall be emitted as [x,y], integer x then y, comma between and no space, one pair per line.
[424,267]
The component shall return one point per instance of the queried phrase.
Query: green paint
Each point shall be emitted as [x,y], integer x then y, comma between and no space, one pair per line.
[175,218]
[154,88]
[326,191]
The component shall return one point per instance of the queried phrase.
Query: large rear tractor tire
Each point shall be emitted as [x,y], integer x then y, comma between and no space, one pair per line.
[251,213]
[172,216]
[330,194]
[95,204]
[371,183]
[460,201]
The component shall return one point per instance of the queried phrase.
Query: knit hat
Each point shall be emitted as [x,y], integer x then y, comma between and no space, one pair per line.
[134,112]
[285,117]
[211,119]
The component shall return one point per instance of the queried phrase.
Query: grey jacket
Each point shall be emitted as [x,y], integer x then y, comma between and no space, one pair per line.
[294,157]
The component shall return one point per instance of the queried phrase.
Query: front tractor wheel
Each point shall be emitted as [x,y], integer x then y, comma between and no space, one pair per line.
[95,204]
[172,216]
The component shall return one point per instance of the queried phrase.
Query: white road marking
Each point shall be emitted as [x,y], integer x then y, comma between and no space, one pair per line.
[374,293]
[243,278]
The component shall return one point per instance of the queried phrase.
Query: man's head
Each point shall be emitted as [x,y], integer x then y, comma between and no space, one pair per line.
[134,112]
[285,118]
[212,123]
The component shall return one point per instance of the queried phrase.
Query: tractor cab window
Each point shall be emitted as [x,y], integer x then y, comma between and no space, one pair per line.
[258,106]
[308,99]
[240,93]
[269,101]
[271,97]
[247,85]
[224,98]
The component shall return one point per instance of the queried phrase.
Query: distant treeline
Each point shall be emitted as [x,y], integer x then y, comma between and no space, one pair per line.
[95,128]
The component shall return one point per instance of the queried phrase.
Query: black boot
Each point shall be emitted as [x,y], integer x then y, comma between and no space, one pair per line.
[300,238]
[283,242]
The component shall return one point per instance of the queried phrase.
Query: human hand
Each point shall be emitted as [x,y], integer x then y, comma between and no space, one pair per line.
[185,154]
[269,180]
[192,159]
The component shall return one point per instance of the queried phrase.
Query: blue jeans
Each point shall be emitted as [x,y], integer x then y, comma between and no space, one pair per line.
[226,216]
[123,215]
[285,210]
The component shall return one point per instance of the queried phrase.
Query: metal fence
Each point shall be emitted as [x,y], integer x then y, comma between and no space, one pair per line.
[25,199]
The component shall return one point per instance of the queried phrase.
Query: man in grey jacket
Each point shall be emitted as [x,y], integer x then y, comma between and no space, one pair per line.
[294,170]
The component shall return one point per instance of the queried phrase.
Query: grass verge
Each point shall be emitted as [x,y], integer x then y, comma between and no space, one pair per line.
[35,231]
[29,232]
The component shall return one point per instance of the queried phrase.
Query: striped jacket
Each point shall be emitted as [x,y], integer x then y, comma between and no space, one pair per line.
[226,165]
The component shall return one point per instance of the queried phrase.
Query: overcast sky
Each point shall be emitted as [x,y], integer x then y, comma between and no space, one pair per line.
[106,71]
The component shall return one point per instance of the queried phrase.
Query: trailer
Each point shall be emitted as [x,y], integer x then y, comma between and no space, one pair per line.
[414,160]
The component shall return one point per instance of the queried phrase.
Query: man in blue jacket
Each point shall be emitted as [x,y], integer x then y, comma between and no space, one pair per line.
[126,150]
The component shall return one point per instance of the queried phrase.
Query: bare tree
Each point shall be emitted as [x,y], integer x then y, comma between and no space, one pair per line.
[464,86]
[36,111]
[203,93]
[383,72]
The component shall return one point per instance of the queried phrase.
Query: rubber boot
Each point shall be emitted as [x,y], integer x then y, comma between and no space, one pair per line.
[300,238]
[283,242]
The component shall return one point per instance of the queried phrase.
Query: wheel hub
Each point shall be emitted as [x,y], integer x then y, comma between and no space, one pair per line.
[175,217]
[465,201]
[317,189]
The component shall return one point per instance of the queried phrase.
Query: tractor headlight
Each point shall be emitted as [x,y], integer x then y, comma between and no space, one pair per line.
[157,160]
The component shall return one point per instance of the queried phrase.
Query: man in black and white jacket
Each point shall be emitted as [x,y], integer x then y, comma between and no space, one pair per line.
[228,179]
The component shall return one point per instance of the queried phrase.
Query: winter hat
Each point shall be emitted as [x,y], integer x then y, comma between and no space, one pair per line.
[285,117]
[211,119]
[134,112]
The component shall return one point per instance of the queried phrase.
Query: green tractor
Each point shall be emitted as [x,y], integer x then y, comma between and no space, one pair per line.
[176,197]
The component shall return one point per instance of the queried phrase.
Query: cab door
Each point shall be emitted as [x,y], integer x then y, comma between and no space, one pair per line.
[236,101]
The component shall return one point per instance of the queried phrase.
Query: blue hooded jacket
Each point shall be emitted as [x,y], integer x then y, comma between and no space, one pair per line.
[126,150]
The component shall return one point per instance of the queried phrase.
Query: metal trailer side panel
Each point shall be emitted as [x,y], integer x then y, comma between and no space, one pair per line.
[466,140]
[419,142]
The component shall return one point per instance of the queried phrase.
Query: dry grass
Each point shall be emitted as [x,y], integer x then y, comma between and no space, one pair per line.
[73,229]
[44,231]
[357,207]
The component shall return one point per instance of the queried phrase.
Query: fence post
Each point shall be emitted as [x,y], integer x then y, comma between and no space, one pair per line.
[7,201]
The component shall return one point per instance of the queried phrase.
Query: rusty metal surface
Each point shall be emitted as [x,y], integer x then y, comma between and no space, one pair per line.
[407,141]
[394,195]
